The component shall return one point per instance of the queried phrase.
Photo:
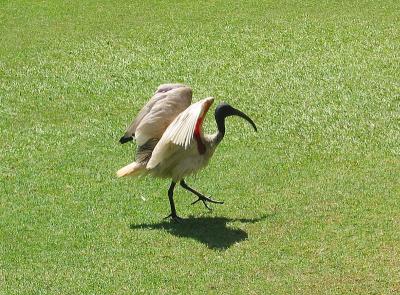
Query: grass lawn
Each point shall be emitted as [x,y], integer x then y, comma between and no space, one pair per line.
[312,201]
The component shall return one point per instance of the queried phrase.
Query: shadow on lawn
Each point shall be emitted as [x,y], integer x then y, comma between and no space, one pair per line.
[211,231]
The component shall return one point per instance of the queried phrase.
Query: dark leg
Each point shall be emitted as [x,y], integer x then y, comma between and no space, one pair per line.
[200,196]
[171,202]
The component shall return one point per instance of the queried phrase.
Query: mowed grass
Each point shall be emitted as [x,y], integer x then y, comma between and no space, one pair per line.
[312,201]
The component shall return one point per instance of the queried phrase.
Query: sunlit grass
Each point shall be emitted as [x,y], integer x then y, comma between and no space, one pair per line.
[311,200]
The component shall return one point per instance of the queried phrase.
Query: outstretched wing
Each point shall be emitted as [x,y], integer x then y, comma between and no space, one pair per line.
[166,104]
[180,132]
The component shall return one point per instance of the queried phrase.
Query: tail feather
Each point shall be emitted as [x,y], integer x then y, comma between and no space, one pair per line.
[132,169]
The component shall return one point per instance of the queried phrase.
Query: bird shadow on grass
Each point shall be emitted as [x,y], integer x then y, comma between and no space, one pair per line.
[211,231]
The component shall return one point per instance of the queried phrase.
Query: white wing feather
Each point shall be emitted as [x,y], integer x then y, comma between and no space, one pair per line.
[179,132]
[173,98]
[162,113]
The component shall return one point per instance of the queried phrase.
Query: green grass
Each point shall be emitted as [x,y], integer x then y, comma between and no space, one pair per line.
[311,200]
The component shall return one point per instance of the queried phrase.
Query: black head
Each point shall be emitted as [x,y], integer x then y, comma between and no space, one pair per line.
[224,110]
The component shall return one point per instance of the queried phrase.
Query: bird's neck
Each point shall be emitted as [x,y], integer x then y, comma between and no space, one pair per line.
[220,119]
[213,140]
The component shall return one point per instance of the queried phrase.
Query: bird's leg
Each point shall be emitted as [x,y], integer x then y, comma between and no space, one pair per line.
[200,196]
[171,202]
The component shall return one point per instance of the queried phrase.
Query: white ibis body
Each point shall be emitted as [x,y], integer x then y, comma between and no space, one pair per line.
[170,140]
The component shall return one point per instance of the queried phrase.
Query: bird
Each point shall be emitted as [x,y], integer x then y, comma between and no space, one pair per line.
[170,140]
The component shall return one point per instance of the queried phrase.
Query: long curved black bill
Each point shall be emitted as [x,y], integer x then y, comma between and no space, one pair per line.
[236,112]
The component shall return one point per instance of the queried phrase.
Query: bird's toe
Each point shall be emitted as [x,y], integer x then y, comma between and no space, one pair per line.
[174,218]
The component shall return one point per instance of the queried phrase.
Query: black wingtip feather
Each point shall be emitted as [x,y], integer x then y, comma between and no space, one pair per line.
[125,139]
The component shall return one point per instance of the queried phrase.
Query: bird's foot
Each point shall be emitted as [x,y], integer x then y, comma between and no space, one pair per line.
[174,217]
[205,199]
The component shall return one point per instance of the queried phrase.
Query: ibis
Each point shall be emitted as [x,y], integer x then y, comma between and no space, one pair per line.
[170,141]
